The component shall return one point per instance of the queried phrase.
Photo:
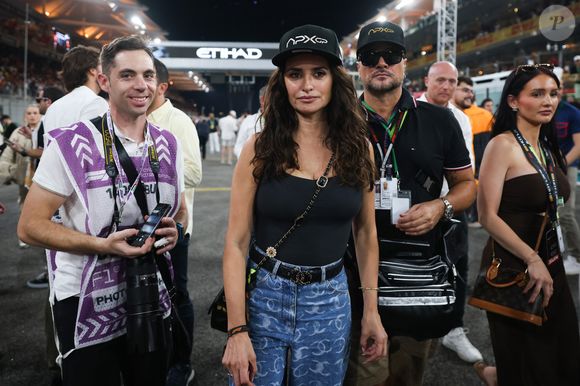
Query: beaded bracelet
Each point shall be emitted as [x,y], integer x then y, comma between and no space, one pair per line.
[237,330]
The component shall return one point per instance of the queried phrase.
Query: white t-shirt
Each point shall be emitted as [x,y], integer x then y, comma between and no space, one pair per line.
[228,127]
[251,125]
[79,104]
[52,175]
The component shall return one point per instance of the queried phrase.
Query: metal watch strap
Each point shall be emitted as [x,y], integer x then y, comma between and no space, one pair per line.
[448,211]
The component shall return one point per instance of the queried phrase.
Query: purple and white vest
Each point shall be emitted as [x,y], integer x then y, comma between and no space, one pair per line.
[101,314]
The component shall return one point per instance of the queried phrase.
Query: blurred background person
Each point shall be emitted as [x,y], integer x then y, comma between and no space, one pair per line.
[487,104]
[15,164]
[251,125]
[227,128]
[214,137]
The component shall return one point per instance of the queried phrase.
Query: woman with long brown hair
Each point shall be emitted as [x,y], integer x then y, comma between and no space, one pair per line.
[298,188]
[521,184]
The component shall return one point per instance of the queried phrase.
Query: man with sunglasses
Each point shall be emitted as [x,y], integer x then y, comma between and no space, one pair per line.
[427,145]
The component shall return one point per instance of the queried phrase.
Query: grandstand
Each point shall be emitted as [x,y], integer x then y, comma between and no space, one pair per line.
[492,36]
[54,27]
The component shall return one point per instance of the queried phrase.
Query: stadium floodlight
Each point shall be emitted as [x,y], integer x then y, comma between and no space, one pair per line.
[190,73]
[137,22]
[403,3]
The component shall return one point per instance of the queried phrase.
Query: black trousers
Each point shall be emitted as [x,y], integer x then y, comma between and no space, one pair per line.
[105,363]
[459,249]
[182,300]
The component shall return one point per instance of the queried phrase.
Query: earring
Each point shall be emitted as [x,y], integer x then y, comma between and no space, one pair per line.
[514,109]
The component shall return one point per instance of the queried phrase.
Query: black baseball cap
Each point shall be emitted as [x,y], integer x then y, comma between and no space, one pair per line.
[380,32]
[309,39]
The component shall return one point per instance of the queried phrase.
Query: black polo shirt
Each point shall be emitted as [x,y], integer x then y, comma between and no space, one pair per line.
[429,143]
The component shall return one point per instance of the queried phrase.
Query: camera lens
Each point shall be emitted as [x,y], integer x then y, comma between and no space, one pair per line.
[145,326]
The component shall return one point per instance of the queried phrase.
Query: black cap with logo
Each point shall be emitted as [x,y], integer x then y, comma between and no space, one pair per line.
[309,39]
[380,32]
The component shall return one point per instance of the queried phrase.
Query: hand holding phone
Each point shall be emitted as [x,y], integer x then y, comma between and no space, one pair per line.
[148,229]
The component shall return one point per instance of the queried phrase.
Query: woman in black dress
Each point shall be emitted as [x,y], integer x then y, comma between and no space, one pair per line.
[521,182]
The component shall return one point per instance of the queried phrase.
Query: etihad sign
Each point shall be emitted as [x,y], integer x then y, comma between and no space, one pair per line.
[228,53]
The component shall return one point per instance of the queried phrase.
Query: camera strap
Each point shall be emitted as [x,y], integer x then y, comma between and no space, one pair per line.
[128,168]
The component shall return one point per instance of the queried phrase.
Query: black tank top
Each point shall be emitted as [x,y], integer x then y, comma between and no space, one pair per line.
[323,236]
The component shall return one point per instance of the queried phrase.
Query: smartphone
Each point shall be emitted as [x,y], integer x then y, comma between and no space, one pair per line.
[147,229]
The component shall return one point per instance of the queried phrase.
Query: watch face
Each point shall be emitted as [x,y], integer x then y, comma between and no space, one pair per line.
[448,210]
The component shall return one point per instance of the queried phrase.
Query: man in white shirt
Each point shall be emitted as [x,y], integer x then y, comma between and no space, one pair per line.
[441,82]
[228,127]
[80,67]
[89,252]
[163,114]
[251,125]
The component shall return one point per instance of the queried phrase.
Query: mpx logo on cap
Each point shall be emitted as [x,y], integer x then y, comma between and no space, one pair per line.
[376,30]
[306,39]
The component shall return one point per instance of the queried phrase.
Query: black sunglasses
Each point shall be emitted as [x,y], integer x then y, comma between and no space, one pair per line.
[371,58]
[532,67]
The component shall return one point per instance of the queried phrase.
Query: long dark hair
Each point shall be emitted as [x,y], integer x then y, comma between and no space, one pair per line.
[505,118]
[275,148]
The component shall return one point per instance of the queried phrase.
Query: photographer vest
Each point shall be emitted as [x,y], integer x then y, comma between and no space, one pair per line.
[101,314]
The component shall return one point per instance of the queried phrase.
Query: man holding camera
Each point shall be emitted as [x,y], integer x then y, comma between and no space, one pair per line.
[104,175]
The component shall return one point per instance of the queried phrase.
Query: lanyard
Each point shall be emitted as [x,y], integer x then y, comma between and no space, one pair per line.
[113,164]
[392,129]
[548,173]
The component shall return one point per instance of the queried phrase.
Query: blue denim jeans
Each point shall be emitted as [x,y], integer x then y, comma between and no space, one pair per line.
[310,322]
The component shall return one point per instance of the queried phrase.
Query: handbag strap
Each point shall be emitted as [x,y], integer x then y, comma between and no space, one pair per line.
[321,183]
[522,277]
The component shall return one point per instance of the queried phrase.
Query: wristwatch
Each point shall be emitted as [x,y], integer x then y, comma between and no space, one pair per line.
[448,211]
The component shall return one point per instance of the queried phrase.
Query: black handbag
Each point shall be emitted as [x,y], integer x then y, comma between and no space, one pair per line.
[218,310]
[416,292]
[499,290]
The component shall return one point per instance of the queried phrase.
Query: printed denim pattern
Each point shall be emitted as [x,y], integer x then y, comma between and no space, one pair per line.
[311,321]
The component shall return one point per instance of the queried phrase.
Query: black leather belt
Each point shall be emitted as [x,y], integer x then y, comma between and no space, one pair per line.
[296,275]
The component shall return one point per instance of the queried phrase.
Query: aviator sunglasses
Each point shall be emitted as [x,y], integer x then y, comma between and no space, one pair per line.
[371,58]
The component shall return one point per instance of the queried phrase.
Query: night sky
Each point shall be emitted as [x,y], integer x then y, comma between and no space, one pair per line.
[256,20]
[250,21]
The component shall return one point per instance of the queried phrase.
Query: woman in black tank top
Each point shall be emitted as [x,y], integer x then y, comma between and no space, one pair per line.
[297,189]
[521,182]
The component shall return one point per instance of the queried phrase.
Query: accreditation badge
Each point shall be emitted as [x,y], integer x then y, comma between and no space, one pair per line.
[561,244]
[401,203]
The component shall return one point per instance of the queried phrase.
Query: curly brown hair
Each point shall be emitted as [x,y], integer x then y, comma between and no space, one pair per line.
[275,148]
